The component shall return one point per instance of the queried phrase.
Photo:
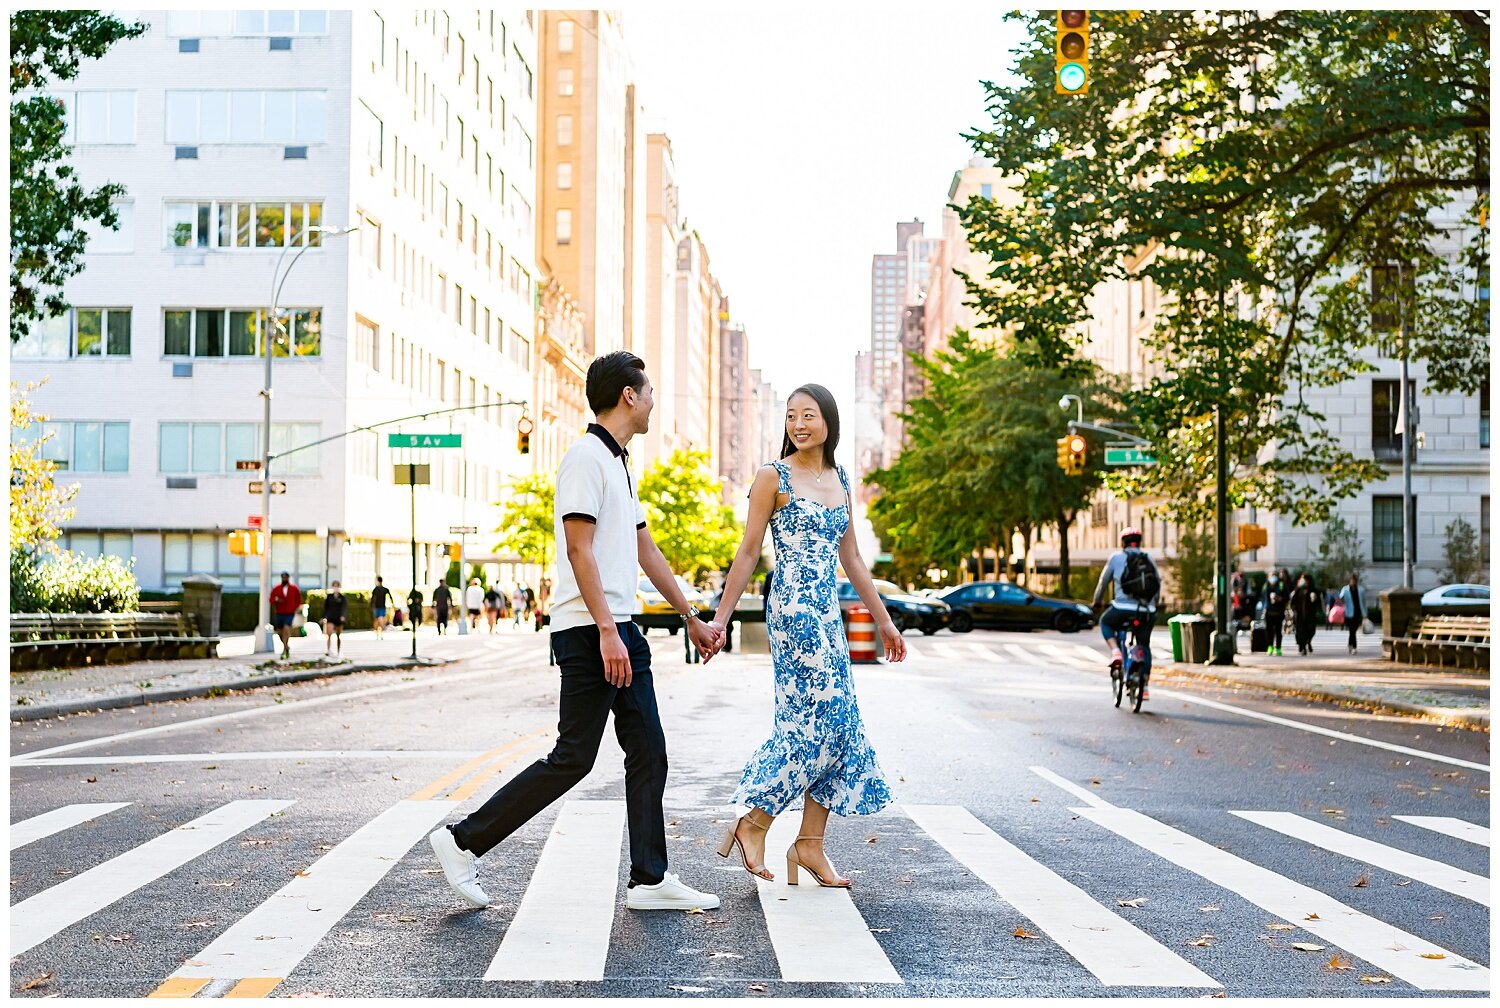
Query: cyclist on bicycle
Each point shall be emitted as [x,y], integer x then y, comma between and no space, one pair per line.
[1137,593]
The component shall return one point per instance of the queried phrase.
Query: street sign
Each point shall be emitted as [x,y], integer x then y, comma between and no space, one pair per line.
[463,529]
[253,522]
[1128,457]
[251,464]
[258,486]
[424,440]
[412,475]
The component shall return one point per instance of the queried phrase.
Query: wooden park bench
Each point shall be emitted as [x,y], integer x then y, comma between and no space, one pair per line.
[69,639]
[1434,640]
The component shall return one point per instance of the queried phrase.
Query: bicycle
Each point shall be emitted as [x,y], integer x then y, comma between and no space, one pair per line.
[1133,675]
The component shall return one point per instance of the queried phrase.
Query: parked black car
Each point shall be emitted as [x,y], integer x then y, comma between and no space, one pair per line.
[908,612]
[1001,604]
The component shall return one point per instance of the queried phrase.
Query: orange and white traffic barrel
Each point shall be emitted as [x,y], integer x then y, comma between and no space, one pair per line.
[861,634]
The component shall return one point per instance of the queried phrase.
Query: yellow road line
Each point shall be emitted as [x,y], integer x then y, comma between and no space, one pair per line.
[254,987]
[179,987]
[480,779]
[432,790]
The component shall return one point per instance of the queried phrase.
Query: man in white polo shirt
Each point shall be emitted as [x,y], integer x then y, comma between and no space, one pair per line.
[602,655]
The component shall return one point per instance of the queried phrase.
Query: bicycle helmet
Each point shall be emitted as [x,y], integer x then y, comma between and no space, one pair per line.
[1131,533]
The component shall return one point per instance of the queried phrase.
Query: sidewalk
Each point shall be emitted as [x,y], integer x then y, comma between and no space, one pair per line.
[48,693]
[1457,697]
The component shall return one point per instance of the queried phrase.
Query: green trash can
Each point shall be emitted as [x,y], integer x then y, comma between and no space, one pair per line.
[1174,625]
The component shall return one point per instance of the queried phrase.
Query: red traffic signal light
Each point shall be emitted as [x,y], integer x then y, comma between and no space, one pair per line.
[1076,444]
[1072,18]
[524,425]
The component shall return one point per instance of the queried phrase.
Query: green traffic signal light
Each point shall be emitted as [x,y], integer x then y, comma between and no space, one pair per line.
[1071,77]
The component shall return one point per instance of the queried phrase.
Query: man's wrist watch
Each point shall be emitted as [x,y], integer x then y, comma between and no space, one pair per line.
[693,613]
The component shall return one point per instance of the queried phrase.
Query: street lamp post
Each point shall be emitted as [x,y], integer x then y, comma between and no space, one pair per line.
[278,279]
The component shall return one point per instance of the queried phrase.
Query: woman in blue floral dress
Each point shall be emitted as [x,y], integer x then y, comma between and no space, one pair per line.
[817,756]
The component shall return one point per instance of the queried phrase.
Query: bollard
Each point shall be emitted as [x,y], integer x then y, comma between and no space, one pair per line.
[861,634]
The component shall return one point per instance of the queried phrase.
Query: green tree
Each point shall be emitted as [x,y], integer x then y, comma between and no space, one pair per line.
[525,526]
[1341,552]
[49,207]
[1251,170]
[683,500]
[1460,553]
[1193,567]
[37,504]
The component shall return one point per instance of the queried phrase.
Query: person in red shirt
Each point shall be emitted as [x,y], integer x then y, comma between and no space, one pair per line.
[286,599]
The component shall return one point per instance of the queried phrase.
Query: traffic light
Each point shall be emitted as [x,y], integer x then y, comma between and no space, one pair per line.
[523,435]
[1251,537]
[1077,454]
[243,543]
[1064,456]
[1072,54]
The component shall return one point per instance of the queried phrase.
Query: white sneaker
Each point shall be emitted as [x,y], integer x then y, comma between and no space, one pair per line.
[671,893]
[458,866]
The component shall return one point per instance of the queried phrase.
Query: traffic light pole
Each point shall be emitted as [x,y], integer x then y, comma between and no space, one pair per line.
[411,475]
[1223,649]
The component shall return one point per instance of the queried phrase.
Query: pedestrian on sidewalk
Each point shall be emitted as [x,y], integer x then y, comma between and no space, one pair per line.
[1306,602]
[442,600]
[335,612]
[530,602]
[543,603]
[602,656]
[286,599]
[473,602]
[518,604]
[380,599]
[414,608]
[493,602]
[1276,601]
[1352,597]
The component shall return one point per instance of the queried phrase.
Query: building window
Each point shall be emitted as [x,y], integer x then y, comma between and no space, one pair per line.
[186,553]
[1391,288]
[101,332]
[1388,528]
[97,117]
[564,227]
[369,239]
[564,130]
[985,190]
[565,36]
[565,82]
[227,23]
[99,544]
[1385,407]
[374,131]
[83,446]
[223,225]
[201,117]
[213,448]
[564,174]
[1484,413]
[238,332]
[1484,531]
[366,343]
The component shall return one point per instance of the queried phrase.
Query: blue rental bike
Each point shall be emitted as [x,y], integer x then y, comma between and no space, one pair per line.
[1130,679]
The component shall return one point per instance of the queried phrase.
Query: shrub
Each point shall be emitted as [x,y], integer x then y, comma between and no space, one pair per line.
[67,582]
[359,608]
[26,590]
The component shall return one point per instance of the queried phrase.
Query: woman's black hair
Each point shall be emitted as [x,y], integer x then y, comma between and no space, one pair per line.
[830,411]
[610,375]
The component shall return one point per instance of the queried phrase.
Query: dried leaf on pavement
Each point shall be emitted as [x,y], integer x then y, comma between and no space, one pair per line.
[120,937]
[1338,962]
[1438,917]
[1021,932]
[1433,955]
[1307,947]
[201,922]
[1333,811]
[1203,941]
[1209,909]
[725,955]
[872,839]
[757,988]
[1360,883]
[1282,927]
[1312,916]
[44,978]
[1139,901]
[688,990]
[1405,881]
[1375,979]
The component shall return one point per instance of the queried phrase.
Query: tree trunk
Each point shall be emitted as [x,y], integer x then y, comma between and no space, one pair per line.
[1003,550]
[1026,531]
[1064,565]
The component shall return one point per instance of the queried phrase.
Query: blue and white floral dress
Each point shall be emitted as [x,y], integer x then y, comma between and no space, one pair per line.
[818,746]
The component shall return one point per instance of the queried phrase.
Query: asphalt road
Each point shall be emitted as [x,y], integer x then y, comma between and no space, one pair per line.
[1043,842]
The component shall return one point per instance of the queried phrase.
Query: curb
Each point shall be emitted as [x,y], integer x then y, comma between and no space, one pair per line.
[138,698]
[1448,716]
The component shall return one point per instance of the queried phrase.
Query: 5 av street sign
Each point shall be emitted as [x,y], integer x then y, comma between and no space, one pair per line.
[424,440]
[1128,457]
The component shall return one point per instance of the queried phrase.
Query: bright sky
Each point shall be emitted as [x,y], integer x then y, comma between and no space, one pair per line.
[801,135]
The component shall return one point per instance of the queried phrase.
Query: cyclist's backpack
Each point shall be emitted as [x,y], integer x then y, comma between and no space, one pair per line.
[1140,580]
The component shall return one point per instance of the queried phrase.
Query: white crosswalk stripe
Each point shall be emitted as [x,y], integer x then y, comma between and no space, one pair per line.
[276,936]
[1393,950]
[1452,827]
[34,920]
[562,927]
[1117,952]
[31,830]
[1413,866]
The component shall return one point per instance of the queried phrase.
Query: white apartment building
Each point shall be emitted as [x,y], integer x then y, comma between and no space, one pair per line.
[236,132]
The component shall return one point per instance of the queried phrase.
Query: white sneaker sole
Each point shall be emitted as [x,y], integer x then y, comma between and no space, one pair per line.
[669,904]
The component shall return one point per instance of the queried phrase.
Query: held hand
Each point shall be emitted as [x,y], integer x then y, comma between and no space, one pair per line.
[895,644]
[704,637]
[616,658]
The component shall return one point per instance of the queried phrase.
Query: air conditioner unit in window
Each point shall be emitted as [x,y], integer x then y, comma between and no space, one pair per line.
[182,369]
[281,44]
[182,482]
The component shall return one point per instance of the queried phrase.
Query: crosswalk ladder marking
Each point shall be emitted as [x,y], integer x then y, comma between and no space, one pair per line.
[31,830]
[818,934]
[1372,940]
[34,920]
[1117,952]
[1412,866]
[276,936]
[562,927]
[1452,827]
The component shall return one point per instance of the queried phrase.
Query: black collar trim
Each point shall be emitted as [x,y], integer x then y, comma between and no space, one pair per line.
[609,439]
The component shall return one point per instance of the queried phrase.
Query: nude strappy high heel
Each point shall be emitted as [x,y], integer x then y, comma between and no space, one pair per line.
[793,863]
[732,840]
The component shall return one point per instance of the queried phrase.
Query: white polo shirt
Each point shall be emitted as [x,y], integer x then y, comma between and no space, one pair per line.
[594,484]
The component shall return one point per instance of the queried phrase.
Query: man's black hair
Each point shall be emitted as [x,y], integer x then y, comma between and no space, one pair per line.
[610,375]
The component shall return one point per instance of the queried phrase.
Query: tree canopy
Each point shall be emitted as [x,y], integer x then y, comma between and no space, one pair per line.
[525,523]
[683,499]
[50,209]
[1294,184]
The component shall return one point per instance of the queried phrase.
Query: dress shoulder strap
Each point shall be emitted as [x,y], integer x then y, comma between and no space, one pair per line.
[783,476]
[844,479]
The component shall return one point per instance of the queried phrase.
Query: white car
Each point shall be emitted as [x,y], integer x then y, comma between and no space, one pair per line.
[1457,595]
